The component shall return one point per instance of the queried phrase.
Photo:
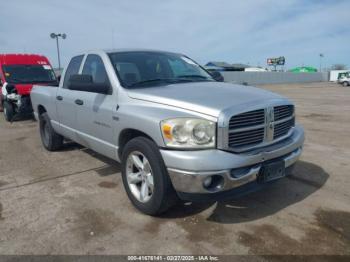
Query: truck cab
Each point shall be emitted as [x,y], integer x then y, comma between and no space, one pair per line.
[18,74]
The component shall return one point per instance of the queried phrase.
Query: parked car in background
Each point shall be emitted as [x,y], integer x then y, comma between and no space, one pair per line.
[177,132]
[18,74]
[344,80]
[343,75]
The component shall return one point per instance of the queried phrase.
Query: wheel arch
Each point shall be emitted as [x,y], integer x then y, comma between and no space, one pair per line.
[128,134]
[41,110]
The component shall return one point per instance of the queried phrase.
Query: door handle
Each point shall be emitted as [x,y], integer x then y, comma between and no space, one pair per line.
[79,102]
[60,98]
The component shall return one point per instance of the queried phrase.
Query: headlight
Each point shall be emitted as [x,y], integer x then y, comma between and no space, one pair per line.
[189,133]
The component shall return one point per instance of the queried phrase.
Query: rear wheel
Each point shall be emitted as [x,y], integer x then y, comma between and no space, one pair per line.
[50,139]
[9,111]
[145,177]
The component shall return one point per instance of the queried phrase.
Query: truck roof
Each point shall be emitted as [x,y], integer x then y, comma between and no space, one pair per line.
[120,50]
[23,59]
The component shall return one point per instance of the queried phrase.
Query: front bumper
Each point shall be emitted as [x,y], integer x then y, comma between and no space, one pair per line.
[25,106]
[189,169]
[22,102]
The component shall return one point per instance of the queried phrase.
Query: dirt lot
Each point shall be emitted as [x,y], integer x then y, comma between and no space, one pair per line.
[73,201]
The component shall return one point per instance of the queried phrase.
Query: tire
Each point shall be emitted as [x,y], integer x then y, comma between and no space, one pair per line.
[163,195]
[1,102]
[9,111]
[50,139]
[345,83]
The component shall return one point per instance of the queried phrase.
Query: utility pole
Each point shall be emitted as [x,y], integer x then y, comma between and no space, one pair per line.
[321,56]
[56,36]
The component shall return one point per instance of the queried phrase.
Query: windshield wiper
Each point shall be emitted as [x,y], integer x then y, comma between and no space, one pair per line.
[29,81]
[42,81]
[17,80]
[194,76]
[166,80]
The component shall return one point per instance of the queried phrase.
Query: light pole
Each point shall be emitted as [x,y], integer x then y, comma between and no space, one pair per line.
[321,56]
[53,36]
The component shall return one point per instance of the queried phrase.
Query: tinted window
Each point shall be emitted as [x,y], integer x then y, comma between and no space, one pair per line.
[94,66]
[140,69]
[72,69]
[17,74]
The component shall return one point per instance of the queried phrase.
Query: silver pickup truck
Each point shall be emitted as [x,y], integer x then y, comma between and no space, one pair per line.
[177,132]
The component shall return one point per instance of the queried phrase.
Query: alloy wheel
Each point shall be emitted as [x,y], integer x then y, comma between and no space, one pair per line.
[139,176]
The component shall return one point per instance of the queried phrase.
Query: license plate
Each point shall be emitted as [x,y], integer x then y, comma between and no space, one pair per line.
[272,171]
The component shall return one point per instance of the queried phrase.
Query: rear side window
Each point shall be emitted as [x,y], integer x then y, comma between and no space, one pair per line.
[72,69]
[94,66]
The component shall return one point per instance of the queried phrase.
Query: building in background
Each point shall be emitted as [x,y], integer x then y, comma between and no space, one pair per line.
[223,66]
[255,69]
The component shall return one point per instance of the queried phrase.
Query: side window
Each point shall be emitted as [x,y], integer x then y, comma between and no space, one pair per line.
[94,66]
[72,69]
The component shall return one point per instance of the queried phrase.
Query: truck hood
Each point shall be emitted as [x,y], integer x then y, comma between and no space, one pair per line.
[25,89]
[208,98]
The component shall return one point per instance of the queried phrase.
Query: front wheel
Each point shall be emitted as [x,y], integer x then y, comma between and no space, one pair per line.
[145,177]
[9,111]
[1,102]
[345,83]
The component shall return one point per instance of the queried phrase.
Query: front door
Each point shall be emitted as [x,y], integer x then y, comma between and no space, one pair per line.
[94,111]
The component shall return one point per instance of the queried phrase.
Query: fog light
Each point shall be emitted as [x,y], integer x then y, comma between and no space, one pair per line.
[214,183]
[207,182]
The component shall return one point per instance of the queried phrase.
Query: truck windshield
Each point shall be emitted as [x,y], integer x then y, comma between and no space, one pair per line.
[17,74]
[144,69]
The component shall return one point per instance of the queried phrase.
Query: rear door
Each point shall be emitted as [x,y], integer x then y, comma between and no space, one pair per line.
[65,101]
[94,114]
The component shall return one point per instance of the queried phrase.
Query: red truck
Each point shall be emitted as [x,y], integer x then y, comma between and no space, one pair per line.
[18,74]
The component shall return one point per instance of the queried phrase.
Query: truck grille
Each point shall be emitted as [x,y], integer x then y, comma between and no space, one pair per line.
[283,128]
[252,118]
[281,112]
[245,138]
[245,120]
[260,127]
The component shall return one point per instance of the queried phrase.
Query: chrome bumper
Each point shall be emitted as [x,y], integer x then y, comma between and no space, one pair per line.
[189,181]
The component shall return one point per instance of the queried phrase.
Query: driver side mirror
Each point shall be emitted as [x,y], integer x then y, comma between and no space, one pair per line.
[58,79]
[85,83]
[217,76]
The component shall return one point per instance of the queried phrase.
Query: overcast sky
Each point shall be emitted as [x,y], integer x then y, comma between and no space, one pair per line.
[246,31]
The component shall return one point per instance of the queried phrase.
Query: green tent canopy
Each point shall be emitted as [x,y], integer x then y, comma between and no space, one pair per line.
[304,69]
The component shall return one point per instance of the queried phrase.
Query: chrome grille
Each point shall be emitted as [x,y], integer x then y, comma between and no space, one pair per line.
[254,121]
[281,112]
[256,117]
[260,127]
[283,128]
[246,138]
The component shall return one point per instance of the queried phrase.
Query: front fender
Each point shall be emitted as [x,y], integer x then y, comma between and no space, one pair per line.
[146,117]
